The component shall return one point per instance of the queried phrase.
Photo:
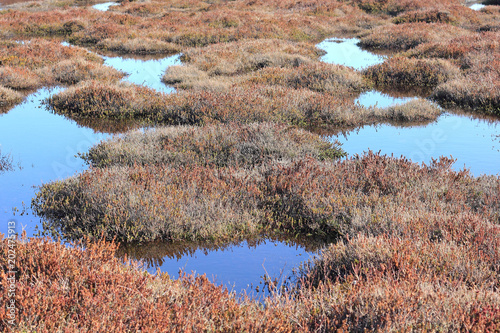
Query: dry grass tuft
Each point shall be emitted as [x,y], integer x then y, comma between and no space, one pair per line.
[94,99]
[405,36]
[482,95]
[427,16]
[249,104]
[35,63]
[9,97]
[250,55]
[319,77]
[77,70]
[18,78]
[231,145]
[190,77]
[405,74]
[38,53]
[138,46]
[458,48]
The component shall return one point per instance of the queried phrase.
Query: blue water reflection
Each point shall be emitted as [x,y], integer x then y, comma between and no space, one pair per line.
[104,6]
[44,145]
[144,72]
[345,51]
[475,143]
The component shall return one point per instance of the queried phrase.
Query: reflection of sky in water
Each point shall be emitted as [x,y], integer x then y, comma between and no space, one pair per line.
[381,100]
[344,51]
[144,72]
[45,145]
[477,6]
[105,6]
[472,142]
[241,266]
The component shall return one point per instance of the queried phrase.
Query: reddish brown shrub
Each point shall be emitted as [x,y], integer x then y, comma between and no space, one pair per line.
[409,74]
[427,16]
[87,289]
[409,35]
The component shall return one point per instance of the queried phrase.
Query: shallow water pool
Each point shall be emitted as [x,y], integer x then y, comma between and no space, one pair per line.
[105,6]
[473,141]
[345,51]
[43,148]
[380,100]
[144,72]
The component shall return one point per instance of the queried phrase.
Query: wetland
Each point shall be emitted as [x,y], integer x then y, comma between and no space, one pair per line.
[280,169]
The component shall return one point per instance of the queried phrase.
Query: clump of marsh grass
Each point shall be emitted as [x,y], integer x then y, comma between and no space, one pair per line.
[195,203]
[477,86]
[406,36]
[320,77]
[9,97]
[190,77]
[416,110]
[37,62]
[249,55]
[96,33]
[183,74]
[315,76]
[197,167]
[457,48]
[427,16]
[18,78]
[405,74]
[138,46]
[38,53]
[481,95]
[77,70]
[93,99]
[232,145]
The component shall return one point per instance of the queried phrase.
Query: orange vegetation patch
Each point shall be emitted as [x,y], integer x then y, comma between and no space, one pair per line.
[249,55]
[18,78]
[409,35]
[37,53]
[31,64]
[479,85]
[86,288]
